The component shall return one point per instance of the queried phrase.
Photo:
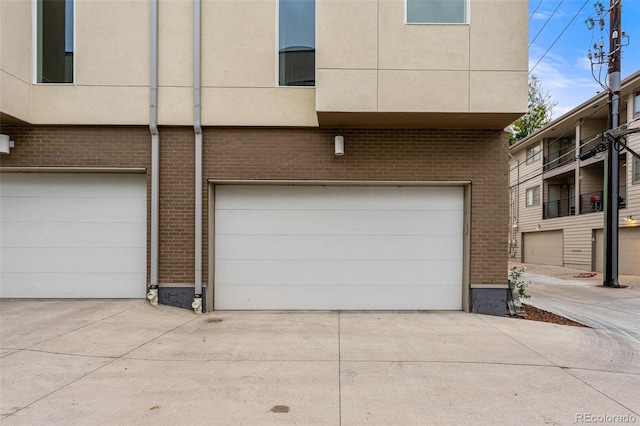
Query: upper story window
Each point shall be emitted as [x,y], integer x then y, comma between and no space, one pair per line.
[636,104]
[54,41]
[636,169]
[297,43]
[437,11]
[533,153]
[533,196]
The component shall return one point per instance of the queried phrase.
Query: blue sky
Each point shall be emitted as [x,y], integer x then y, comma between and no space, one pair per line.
[565,71]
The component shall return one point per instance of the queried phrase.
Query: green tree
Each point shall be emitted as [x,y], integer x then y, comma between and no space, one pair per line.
[539,112]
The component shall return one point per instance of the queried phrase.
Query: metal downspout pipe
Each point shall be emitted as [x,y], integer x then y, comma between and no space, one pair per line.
[513,231]
[197,300]
[152,295]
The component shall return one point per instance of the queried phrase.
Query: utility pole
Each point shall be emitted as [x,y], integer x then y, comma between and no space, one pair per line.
[612,167]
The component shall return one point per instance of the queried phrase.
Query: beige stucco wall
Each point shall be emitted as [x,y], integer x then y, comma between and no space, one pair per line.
[15,59]
[480,67]
[367,60]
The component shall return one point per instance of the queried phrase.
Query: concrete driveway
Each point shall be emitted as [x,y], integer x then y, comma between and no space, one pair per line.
[559,290]
[125,362]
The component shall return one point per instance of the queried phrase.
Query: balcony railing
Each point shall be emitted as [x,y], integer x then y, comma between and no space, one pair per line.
[558,208]
[593,202]
[590,142]
[555,161]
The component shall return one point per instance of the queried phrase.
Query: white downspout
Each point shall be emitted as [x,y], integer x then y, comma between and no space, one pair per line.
[152,295]
[197,300]
[513,230]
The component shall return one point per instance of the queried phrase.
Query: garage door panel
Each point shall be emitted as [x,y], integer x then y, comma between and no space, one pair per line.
[545,248]
[336,222]
[628,250]
[338,247]
[73,234]
[97,260]
[348,272]
[24,209]
[356,297]
[72,185]
[72,285]
[363,198]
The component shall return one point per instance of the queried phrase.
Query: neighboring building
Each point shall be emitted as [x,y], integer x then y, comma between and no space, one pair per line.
[256,211]
[557,200]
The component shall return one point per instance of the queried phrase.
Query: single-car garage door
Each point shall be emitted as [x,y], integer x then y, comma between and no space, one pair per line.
[73,235]
[544,248]
[338,247]
[628,251]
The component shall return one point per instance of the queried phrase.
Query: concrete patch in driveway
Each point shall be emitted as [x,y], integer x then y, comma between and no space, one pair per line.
[618,386]
[170,393]
[28,322]
[430,336]
[437,393]
[247,336]
[120,333]
[28,376]
[572,347]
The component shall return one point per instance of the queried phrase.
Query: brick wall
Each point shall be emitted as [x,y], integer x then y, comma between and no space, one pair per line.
[264,153]
[380,154]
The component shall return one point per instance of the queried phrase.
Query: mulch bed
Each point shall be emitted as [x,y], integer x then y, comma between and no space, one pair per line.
[535,314]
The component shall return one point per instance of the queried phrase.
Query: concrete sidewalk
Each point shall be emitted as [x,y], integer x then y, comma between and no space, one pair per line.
[561,291]
[125,362]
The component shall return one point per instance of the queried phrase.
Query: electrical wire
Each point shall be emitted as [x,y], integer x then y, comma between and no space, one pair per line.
[547,21]
[534,174]
[535,10]
[560,35]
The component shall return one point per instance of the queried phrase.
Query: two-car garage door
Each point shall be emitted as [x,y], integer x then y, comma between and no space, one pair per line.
[73,235]
[338,247]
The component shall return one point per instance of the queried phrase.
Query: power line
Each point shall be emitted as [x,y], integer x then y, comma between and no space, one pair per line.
[558,38]
[535,10]
[534,173]
[545,24]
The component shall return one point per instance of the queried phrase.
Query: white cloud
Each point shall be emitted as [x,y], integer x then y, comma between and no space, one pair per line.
[568,80]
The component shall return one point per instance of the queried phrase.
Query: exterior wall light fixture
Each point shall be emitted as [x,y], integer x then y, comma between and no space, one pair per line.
[339,142]
[5,144]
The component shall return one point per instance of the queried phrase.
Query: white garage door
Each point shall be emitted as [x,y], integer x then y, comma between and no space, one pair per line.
[628,251]
[544,248]
[73,235]
[338,247]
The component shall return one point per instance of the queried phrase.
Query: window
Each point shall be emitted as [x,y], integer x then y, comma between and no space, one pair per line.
[436,11]
[54,41]
[533,196]
[636,169]
[636,104]
[533,153]
[297,42]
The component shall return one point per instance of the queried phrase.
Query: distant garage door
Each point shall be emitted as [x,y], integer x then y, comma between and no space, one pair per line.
[338,247]
[543,248]
[628,251]
[67,235]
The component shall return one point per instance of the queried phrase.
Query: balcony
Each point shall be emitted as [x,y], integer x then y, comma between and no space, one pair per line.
[558,153]
[590,142]
[593,202]
[558,208]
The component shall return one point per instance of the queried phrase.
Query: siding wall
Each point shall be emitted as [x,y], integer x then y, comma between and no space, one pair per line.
[578,230]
